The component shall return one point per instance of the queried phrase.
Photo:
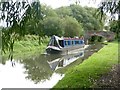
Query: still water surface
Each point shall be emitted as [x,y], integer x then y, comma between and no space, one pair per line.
[38,71]
[34,72]
[15,77]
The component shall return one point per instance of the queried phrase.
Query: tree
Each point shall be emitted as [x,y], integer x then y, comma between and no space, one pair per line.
[86,15]
[10,13]
[52,26]
[112,7]
[96,20]
[34,24]
[47,11]
[63,11]
[16,14]
[72,27]
[114,27]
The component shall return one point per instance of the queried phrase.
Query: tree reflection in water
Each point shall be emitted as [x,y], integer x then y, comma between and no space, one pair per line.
[37,68]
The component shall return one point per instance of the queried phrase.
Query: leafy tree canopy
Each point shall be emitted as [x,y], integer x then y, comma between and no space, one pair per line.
[16,15]
[47,11]
[72,27]
[63,11]
[84,15]
[52,26]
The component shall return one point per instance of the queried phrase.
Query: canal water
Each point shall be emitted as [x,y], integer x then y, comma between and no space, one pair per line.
[39,71]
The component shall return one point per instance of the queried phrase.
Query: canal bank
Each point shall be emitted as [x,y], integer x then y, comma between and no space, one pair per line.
[26,47]
[87,73]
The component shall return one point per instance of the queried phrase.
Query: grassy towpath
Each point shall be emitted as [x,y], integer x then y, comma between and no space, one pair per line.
[86,74]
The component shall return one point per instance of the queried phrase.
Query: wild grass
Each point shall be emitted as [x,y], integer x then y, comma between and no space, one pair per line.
[27,46]
[85,75]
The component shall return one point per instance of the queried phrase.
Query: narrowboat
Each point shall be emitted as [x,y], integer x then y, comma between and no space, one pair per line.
[64,45]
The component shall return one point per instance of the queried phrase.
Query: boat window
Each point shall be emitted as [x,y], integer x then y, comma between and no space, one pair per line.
[69,43]
[72,42]
[66,43]
[53,42]
[81,42]
[61,43]
[76,42]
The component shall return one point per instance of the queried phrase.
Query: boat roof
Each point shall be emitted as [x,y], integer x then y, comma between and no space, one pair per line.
[72,39]
[57,37]
[66,38]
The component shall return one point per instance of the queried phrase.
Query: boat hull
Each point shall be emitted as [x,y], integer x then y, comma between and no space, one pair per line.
[53,51]
[66,50]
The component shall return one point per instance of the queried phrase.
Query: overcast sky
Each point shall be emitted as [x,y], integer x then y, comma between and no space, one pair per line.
[59,3]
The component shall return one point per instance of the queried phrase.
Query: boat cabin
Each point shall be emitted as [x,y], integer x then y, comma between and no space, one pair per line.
[64,44]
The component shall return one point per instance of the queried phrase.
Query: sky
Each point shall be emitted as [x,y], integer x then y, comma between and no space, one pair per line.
[59,3]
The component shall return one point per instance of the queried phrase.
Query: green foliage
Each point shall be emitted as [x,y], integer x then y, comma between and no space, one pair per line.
[106,28]
[112,7]
[94,13]
[87,17]
[10,12]
[101,39]
[52,26]
[71,27]
[34,24]
[28,46]
[84,75]
[96,38]
[114,27]
[16,20]
[63,11]
[47,11]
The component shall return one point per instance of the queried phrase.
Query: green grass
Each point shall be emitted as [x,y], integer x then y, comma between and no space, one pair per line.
[85,74]
[28,46]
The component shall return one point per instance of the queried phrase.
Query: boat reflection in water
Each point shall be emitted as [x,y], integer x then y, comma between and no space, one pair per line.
[65,60]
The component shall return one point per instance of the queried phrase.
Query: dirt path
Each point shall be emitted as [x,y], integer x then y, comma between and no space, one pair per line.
[111,79]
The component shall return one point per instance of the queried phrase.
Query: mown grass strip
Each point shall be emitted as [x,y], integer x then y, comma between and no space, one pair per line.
[85,74]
